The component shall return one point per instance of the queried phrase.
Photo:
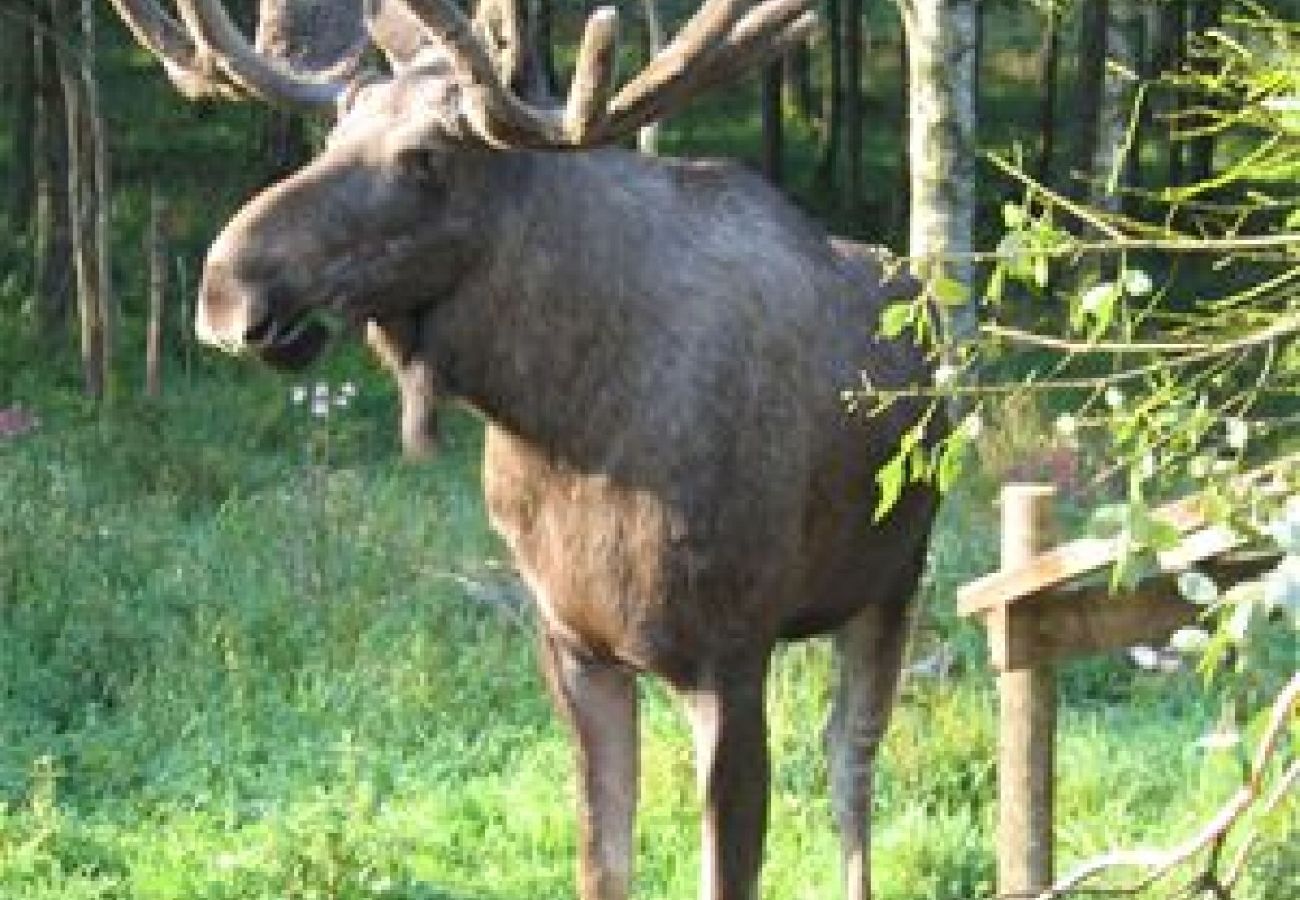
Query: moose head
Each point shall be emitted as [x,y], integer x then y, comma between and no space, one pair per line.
[657,346]
[395,208]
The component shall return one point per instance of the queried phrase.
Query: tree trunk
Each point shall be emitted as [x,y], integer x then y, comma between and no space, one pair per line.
[1114,116]
[1171,52]
[901,212]
[1206,14]
[799,94]
[852,10]
[647,137]
[1049,58]
[832,100]
[19,87]
[284,143]
[773,137]
[87,193]
[545,18]
[51,234]
[157,254]
[1090,78]
[941,39]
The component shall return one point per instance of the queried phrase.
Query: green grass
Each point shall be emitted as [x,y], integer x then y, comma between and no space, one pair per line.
[246,655]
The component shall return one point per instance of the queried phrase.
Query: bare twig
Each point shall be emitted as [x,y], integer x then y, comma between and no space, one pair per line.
[1161,862]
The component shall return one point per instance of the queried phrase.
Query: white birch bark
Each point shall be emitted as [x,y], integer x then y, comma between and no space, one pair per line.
[942,40]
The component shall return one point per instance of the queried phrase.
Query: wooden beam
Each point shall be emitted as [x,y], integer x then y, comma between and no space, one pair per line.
[1082,557]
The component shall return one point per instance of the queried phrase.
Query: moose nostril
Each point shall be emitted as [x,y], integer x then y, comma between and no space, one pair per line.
[260,331]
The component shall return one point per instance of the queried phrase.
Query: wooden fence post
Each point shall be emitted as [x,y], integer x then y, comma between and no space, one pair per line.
[1027,707]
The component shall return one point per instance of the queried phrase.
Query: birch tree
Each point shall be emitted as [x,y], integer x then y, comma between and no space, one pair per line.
[942,37]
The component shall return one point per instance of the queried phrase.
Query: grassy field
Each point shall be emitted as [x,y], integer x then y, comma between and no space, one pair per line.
[249,654]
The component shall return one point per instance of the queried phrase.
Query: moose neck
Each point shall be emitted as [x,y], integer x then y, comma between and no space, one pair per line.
[565,320]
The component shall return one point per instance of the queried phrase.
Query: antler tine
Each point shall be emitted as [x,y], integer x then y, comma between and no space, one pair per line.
[190,68]
[206,56]
[593,76]
[495,114]
[259,76]
[718,43]
[723,38]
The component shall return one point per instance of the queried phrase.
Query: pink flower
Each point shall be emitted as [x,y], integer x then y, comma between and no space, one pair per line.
[15,421]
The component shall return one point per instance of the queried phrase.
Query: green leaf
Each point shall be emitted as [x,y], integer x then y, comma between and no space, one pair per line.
[952,459]
[949,292]
[895,318]
[997,282]
[890,481]
[1041,271]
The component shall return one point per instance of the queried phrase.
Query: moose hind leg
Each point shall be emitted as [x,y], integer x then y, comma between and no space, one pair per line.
[869,654]
[732,769]
[599,703]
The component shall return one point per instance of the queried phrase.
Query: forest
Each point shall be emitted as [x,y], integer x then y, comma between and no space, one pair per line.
[247,650]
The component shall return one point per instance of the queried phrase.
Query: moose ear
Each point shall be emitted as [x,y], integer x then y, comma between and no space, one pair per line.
[425,164]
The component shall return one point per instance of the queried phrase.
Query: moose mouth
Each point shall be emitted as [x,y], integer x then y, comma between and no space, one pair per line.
[290,344]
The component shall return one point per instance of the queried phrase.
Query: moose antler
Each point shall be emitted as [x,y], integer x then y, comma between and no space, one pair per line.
[723,38]
[205,55]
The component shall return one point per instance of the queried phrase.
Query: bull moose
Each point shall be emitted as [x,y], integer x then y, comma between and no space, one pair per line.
[658,349]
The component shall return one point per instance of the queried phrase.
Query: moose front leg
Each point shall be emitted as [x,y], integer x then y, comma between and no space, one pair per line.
[599,703]
[397,341]
[731,764]
[869,654]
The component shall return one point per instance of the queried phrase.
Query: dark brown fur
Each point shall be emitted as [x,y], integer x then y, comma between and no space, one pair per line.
[658,349]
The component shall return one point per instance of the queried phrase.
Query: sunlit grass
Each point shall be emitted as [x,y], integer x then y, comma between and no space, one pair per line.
[246,653]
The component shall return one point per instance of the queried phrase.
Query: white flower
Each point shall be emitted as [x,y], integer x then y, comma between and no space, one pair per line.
[1144,658]
[1066,424]
[341,399]
[1238,432]
[320,406]
[1189,640]
[1137,283]
[298,395]
[1147,466]
[1282,104]
[321,390]
[945,375]
[1219,740]
[348,389]
[973,425]
[1114,397]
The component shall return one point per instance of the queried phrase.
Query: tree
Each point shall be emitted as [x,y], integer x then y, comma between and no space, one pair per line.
[50,228]
[770,102]
[1116,115]
[87,195]
[941,48]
